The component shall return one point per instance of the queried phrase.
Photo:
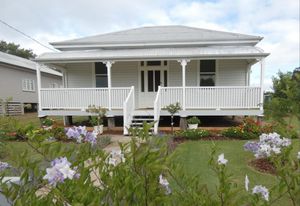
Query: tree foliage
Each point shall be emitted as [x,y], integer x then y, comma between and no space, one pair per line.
[15,49]
[284,105]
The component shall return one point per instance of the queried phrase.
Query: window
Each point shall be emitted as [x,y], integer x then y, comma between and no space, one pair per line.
[28,85]
[53,85]
[142,81]
[153,63]
[150,81]
[101,75]
[207,73]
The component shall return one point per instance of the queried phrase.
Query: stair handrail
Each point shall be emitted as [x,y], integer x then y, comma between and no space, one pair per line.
[128,108]
[157,109]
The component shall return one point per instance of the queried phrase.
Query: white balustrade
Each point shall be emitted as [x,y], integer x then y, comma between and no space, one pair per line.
[128,109]
[81,98]
[238,97]
[157,108]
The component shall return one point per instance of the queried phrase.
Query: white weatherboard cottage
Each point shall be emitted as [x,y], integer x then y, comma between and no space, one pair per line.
[138,72]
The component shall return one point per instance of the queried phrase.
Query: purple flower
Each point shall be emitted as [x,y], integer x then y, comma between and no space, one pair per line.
[91,138]
[251,146]
[3,166]
[259,189]
[59,171]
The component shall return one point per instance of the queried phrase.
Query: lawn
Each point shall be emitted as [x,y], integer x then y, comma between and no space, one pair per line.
[33,118]
[194,156]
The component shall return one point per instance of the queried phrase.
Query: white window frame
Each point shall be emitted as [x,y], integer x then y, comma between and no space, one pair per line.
[53,85]
[28,85]
[215,73]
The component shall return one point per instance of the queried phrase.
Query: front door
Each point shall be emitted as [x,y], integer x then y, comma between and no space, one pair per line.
[150,78]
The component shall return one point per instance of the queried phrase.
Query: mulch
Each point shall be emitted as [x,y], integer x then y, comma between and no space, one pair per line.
[263,165]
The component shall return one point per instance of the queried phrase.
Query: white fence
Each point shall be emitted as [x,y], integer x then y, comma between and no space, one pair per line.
[212,97]
[11,108]
[81,98]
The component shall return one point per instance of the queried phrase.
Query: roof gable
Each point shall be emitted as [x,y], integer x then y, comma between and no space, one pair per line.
[25,63]
[158,35]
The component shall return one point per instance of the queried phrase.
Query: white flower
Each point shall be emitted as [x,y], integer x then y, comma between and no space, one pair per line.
[259,189]
[112,161]
[276,150]
[3,166]
[165,183]
[246,183]
[59,171]
[298,156]
[222,160]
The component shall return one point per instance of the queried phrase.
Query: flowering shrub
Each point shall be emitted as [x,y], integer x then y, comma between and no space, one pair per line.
[267,145]
[277,151]
[80,134]
[59,171]
[140,173]
[250,129]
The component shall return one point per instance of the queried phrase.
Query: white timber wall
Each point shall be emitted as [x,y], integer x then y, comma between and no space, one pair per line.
[232,72]
[81,75]
[125,74]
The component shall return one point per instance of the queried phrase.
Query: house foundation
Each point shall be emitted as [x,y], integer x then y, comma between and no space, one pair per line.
[183,123]
[110,123]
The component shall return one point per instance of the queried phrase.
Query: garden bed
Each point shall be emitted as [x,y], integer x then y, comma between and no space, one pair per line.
[262,165]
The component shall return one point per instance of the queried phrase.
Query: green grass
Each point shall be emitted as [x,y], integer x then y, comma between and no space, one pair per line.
[33,118]
[193,156]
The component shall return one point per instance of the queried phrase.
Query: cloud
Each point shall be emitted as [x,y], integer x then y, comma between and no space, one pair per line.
[56,20]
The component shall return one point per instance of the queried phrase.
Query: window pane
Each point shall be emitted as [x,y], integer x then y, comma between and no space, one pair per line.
[207,80]
[142,81]
[142,63]
[207,66]
[153,63]
[100,68]
[157,80]
[165,78]
[101,81]
[165,63]
[150,81]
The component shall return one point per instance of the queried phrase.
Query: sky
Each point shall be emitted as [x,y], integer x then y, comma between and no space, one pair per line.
[56,20]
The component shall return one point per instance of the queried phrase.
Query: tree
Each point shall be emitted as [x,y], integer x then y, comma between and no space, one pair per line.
[284,105]
[173,109]
[14,49]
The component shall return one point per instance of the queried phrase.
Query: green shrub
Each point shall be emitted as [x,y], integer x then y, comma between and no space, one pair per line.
[193,134]
[193,120]
[58,133]
[103,141]
[8,126]
[23,130]
[47,122]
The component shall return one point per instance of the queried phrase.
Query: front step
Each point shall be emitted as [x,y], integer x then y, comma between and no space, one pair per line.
[138,121]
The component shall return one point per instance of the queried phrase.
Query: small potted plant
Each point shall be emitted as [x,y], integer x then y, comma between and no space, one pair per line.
[97,121]
[47,124]
[97,124]
[193,122]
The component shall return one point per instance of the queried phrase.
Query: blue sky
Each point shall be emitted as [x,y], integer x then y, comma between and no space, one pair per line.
[276,20]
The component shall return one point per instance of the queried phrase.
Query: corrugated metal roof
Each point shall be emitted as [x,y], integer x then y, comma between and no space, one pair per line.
[25,63]
[153,53]
[158,35]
